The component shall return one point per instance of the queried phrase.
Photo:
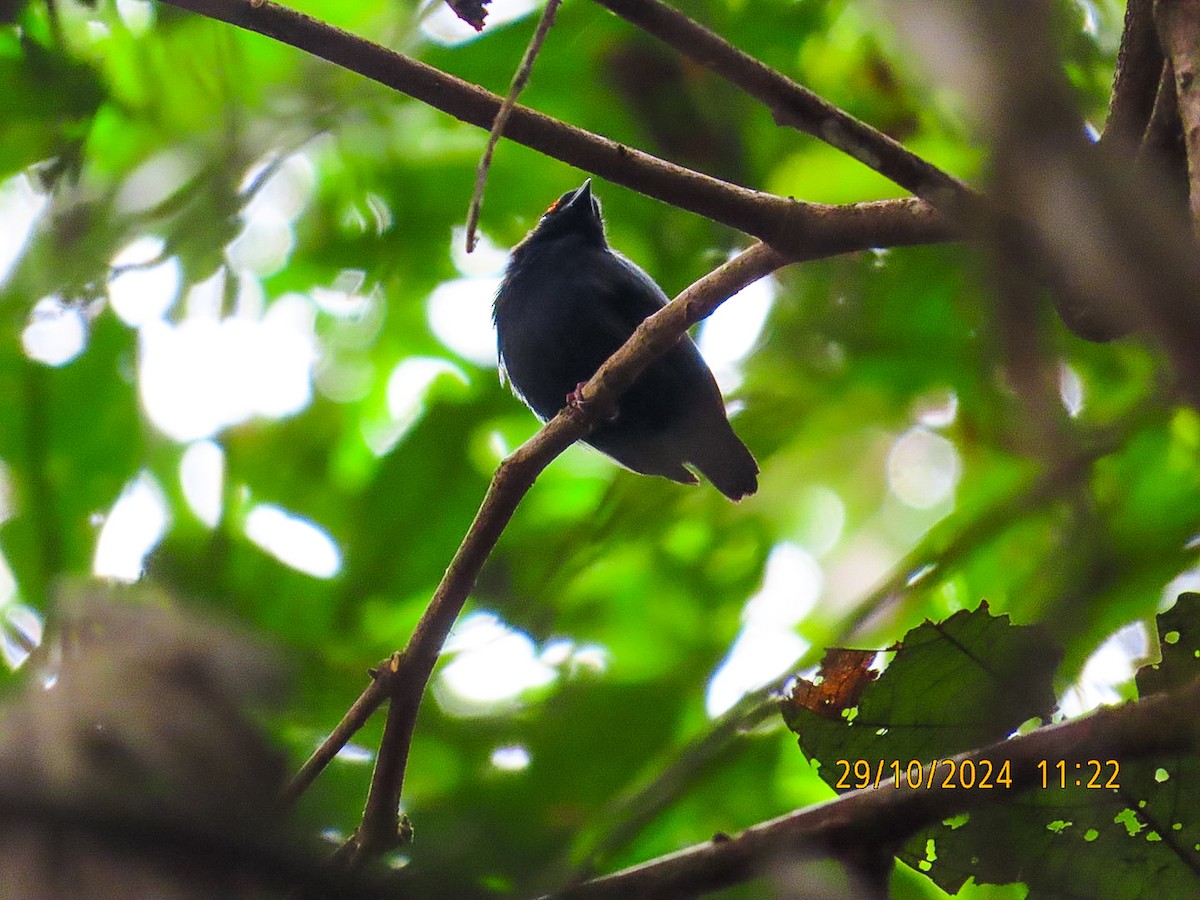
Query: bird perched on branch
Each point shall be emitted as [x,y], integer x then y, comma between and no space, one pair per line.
[567,302]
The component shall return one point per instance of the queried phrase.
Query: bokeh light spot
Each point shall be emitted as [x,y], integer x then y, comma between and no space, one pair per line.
[923,468]
[767,644]
[443,26]
[208,373]
[202,476]
[493,664]
[733,330]
[1110,665]
[294,541]
[460,316]
[21,628]
[143,287]
[56,332]
[21,205]
[511,758]
[131,530]
[1070,390]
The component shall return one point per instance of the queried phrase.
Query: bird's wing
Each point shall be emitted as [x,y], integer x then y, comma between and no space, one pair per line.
[630,296]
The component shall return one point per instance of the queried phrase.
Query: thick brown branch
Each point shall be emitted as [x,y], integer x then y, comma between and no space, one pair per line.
[1144,729]
[1135,82]
[796,106]
[802,229]
[1179,30]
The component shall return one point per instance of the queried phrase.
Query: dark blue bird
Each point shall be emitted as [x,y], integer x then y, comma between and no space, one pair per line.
[566,303]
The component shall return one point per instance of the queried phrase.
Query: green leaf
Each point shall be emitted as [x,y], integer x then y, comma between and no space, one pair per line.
[952,686]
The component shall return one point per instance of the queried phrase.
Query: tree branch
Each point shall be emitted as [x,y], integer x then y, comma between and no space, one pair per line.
[1135,82]
[797,107]
[1178,24]
[790,226]
[409,671]
[1116,260]
[1144,729]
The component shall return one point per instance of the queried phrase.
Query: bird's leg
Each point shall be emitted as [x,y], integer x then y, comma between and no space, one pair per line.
[575,400]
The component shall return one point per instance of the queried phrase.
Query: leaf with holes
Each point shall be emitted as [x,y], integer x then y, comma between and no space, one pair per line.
[1069,839]
[950,686]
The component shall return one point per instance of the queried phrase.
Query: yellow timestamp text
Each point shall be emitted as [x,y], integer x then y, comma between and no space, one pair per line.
[1086,773]
[947,774]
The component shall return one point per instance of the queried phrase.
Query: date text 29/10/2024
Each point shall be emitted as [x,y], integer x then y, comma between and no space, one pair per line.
[969,774]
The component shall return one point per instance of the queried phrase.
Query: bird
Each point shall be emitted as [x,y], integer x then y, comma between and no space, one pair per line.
[566,303]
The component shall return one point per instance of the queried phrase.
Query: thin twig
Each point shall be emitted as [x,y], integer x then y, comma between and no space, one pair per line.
[514,91]
[356,716]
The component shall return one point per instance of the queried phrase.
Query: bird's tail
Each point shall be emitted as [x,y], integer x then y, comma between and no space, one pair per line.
[727,463]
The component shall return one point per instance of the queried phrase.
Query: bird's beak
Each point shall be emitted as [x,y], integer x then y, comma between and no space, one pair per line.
[583,195]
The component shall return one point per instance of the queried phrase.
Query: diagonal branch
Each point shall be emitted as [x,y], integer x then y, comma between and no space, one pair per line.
[410,671]
[790,226]
[797,107]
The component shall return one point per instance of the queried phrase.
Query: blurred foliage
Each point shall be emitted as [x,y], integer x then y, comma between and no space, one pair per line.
[133,120]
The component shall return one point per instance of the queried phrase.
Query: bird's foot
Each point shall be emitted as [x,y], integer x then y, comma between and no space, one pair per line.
[576,401]
[575,398]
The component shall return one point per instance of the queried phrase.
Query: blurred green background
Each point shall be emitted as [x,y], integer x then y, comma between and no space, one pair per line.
[244,351]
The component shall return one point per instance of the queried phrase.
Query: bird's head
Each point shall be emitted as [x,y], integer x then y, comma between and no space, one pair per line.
[575,214]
